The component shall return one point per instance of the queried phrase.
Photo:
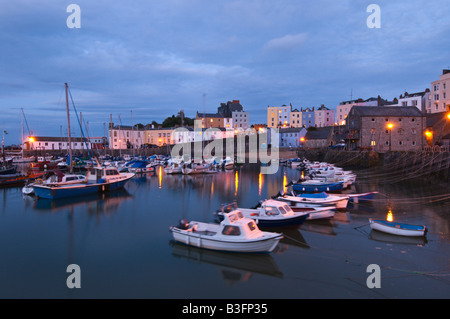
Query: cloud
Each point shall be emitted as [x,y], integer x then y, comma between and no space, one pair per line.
[287,42]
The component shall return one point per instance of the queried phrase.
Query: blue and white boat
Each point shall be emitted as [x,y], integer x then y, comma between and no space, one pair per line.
[98,179]
[395,228]
[314,186]
[141,166]
[320,199]
[362,197]
[270,213]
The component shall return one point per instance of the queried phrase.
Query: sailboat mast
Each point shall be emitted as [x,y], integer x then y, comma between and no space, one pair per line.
[21,144]
[68,126]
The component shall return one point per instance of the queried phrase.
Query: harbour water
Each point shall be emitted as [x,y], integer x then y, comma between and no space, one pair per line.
[122,244]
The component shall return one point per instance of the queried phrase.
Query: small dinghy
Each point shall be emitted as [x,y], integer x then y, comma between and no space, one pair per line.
[234,234]
[395,228]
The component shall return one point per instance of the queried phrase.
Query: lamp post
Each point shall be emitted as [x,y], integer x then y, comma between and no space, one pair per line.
[390,126]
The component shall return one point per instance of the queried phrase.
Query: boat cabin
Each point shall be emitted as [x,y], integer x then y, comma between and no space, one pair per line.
[102,174]
[235,224]
[273,207]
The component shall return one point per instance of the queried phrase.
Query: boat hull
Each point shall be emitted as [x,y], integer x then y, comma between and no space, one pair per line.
[315,188]
[316,213]
[261,245]
[399,229]
[282,222]
[42,191]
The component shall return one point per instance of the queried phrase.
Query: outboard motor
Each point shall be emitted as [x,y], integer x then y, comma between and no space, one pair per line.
[184,224]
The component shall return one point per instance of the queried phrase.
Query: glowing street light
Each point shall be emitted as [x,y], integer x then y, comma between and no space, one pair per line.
[390,126]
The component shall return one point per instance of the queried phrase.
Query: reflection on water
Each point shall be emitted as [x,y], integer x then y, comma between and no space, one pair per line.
[128,240]
[95,204]
[233,267]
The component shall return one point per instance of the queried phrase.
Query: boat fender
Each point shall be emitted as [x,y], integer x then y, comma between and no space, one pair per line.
[254,214]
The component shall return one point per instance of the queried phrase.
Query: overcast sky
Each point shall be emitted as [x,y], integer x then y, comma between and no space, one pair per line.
[155,57]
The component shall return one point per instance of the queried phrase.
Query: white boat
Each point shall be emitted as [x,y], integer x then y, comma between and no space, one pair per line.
[228,163]
[321,199]
[314,211]
[270,213]
[235,233]
[195,168]
[54,179]
[395,228]
[174,168]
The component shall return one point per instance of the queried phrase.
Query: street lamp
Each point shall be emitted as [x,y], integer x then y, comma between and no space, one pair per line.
[390,126]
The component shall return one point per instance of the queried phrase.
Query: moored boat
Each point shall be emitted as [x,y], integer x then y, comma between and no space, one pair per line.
[321,199]
[235,233]
[396,228]
[99,179]
[314,186]
[270,213]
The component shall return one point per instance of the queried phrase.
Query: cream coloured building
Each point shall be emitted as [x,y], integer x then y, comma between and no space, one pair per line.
[278,116]
[439,98]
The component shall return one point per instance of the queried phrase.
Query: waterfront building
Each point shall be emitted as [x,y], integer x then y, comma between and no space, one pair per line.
[437,129]
[344,108]
[320,137]
[295,118]
[229,115]
[240,120]
[159,136]
[308,119]
[439,98]
[278,116]
[418,99]
[385,128]
[323,116]
[227,109]
[292,136]
[50,143]
[211,119]
[125,137]
[227,122]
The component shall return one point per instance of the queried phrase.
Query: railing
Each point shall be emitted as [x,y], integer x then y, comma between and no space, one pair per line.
[436,149]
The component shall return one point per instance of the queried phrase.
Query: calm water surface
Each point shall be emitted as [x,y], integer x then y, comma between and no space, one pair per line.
[122,243]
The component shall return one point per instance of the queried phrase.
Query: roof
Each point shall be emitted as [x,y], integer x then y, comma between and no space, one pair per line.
[434,118]
[405,111]
[321,133]
[292,129]
[209,115]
